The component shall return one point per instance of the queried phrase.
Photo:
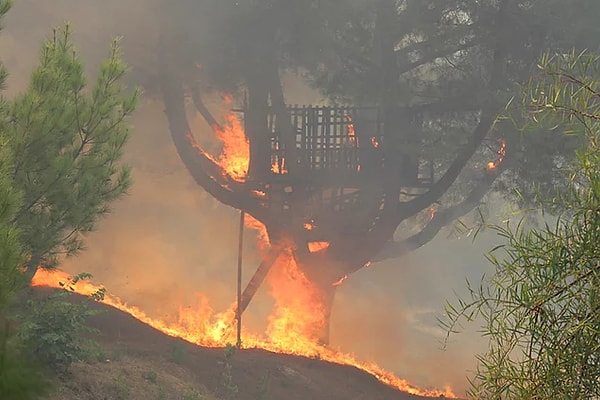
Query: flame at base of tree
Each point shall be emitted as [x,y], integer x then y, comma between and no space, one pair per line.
[298,315]
[291,328]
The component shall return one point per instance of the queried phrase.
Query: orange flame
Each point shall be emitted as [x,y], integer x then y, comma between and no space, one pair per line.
[340,281]
[236,151]
[291,328]
[315,247]
[432,211]
[259,193]
[493,165]
[309,226]
[293,325]
[350,129]
[261,231]
[278,164]
[276,169]
[374,142]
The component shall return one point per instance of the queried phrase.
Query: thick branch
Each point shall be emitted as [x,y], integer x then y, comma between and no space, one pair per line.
[418,204]
[436,42]
[203,110]
[433,55]
[384,228]
[205,171]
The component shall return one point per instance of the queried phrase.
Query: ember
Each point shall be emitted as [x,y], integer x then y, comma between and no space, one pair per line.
[315,247]
[493,165]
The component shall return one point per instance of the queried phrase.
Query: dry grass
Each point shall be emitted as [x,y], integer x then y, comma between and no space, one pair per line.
[131,378]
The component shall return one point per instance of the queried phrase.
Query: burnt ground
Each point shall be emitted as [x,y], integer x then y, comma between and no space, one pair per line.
[138,362]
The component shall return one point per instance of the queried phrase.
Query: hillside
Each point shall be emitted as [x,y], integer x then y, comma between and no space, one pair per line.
[139,362]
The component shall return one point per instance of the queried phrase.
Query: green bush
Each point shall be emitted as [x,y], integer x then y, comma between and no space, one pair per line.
[53,328]
[19,378]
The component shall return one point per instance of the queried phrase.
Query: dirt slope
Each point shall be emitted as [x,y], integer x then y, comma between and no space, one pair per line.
[139,362]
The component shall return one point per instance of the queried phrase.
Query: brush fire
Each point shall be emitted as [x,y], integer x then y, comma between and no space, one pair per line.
[291,325]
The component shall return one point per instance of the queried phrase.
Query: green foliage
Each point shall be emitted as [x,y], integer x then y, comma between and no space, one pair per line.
[122,388]
[541,308]
[161,393]
[177,353]
[229,351]
[192,394]
[52,329]
[227,381]
[60,145]
[150,376]
[19,378]
[67,140]
[263,386]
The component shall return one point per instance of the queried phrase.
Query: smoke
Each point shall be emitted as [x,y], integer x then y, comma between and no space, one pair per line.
[388,312]
[169,240]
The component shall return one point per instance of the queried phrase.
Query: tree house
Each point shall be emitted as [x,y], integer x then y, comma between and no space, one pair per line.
[328,163]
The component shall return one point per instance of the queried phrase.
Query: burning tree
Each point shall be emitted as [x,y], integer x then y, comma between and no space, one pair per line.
[333,184]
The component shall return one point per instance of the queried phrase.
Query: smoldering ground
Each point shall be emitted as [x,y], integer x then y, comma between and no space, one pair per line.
[169,240]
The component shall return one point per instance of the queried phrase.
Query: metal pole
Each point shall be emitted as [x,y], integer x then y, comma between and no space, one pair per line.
[238,311]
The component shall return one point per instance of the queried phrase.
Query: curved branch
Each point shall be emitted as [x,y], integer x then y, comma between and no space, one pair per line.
[205,171]
[420,203]
[441,218]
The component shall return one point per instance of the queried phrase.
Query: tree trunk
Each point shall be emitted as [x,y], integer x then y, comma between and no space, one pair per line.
[256,127]
[32,267]
[323,275]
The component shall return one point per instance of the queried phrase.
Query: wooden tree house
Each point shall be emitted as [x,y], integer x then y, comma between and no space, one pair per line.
[331,173]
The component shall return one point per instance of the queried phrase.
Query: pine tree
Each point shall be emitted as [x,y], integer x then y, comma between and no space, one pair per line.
[67,140]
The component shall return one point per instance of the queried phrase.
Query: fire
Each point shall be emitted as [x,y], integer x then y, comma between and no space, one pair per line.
[190,326]
[340,281]
[351,130]
[493,165]
[235,155]
[432,211]
[298,313]
[374,142]
[278,164]
[291,328]
[309,226]
[277,169]
[315,247]
[261,232]
[259,193]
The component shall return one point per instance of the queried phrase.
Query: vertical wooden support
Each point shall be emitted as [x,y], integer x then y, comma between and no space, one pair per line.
[239,280]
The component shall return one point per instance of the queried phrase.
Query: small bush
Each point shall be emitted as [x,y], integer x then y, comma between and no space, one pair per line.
[177,353]
[150,376]
[192,394]
[229,386]
[52,329]
[122,388]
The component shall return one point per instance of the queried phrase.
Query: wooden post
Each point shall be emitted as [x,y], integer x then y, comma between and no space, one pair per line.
[239,280]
